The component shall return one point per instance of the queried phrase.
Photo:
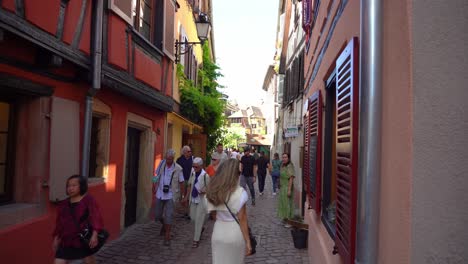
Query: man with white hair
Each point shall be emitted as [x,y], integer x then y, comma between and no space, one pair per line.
[195,194]
[185,161]
[168,185]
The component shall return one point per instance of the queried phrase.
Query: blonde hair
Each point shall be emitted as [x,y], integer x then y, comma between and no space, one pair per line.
[224,182]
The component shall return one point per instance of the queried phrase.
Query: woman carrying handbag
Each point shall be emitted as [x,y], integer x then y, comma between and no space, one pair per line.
[78,224]
[230,241]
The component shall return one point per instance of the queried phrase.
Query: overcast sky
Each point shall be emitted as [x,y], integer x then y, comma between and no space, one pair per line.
[245,35]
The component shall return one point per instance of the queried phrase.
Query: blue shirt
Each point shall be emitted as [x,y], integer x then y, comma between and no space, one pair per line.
[186,165]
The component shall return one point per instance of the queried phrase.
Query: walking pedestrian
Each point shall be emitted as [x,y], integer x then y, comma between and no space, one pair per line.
[275,167]
[195,195]
[230,239]
[215,161]
[186,161]
[286,206]
[168,180]
[235,154]
[220,150]
[262,165]
[248,167]
[77,212]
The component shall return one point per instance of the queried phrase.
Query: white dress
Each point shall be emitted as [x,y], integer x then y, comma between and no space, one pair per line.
[227,242]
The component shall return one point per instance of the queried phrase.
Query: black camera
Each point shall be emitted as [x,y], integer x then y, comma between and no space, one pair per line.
[165,188]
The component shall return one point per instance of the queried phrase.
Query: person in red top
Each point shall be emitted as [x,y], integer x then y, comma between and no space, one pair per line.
[215,161]
[83,208]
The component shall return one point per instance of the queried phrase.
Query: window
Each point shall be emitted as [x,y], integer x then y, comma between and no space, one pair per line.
[100,138]
[142,16]
[329,162]
[254,125]
[98,158]
[6,157]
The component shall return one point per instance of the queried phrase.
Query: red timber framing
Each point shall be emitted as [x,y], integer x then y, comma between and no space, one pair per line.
[313,152]
[347,104]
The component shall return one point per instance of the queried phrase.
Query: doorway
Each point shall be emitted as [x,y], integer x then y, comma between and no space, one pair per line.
[131,175]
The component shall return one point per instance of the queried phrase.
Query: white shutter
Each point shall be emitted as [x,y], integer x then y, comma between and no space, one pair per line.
[64,145]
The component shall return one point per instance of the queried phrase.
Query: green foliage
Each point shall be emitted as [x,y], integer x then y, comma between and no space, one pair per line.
[232,136]
[202,103]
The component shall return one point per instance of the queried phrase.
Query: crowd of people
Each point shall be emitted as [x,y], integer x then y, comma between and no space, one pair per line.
[218,192]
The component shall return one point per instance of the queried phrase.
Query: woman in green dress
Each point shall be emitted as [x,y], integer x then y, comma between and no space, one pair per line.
[286,206]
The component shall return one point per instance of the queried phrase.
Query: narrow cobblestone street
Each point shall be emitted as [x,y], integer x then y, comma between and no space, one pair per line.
[141,243]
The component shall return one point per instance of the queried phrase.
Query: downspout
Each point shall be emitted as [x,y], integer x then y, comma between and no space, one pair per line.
[96,44]
[367,237]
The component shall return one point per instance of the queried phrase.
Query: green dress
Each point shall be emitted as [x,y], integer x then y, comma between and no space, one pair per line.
[285,204]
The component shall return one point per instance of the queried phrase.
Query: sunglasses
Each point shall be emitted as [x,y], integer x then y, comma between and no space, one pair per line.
[195,167]
[214,159]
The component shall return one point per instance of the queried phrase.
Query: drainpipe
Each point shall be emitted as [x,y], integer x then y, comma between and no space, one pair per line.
[96,65]
[367,237]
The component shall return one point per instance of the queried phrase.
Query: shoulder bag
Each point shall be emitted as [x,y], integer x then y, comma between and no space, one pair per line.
[86,233]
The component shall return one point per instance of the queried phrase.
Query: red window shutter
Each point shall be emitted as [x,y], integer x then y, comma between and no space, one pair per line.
[347,103]
[169,41]
[305,166]
[315,151]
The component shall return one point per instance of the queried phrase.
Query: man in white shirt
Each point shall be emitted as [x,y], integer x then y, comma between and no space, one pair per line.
[220,150]
[165,179]
[235,154]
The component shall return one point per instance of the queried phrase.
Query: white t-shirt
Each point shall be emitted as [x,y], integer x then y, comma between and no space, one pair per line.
[166,180]
[240,197]
[234,155]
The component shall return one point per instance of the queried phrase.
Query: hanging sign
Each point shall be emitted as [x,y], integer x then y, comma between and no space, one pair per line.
[291,132]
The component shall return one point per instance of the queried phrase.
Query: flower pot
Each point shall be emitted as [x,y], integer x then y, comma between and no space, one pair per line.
[300,237]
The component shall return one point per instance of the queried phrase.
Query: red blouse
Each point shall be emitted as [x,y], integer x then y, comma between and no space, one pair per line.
[65,227]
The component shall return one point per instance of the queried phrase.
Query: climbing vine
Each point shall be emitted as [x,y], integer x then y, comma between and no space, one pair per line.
[202,103]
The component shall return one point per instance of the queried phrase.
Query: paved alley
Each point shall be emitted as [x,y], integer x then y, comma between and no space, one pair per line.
[141,243]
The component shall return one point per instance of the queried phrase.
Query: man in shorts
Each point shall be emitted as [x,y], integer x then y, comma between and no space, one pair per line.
[168,179]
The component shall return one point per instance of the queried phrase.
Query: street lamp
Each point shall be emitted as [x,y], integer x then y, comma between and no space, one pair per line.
[203,30]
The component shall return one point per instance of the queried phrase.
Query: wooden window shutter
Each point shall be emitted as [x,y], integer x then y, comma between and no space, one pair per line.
[305,166]
[347,103]
[314,136]
[169,41]
[194,68]
[64,131]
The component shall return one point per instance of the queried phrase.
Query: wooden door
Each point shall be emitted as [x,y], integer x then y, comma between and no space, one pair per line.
[131,175]
[197,143]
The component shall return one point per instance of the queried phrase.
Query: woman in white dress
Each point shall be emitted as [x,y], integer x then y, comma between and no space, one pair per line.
[230,241]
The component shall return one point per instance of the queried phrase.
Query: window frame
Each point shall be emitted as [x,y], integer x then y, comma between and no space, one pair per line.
[102,112]
[137,17]
[7,197]
[327,171]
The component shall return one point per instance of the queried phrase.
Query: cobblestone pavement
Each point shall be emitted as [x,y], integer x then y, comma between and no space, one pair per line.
[141,243]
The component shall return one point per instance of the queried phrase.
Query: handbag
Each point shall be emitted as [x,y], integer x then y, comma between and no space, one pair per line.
[86,233]
[253,240]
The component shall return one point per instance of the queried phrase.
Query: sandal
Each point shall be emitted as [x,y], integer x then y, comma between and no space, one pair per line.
[195,244]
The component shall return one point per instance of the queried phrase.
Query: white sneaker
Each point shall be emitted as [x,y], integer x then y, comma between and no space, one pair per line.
[274,193]
[261,194]
[287,225]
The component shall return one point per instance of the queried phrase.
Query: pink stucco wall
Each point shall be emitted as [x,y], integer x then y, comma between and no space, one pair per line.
[395,191]
[320,242]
